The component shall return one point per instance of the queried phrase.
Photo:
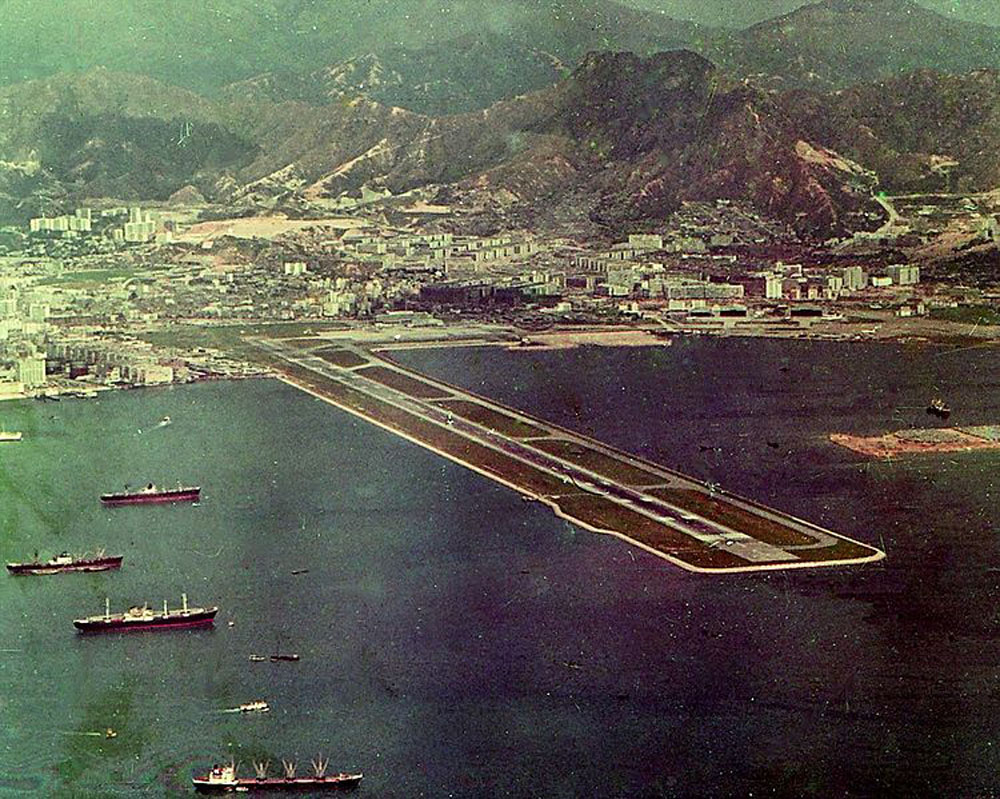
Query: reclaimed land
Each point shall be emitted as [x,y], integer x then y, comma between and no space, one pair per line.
[914,442]
[587,510]
[494,420]
[591,511]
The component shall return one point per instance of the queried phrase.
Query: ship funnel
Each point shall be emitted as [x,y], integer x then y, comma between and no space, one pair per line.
[260,768]
[319,765]
[289,768]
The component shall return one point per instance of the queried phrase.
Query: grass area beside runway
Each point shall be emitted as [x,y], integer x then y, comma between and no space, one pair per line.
[598,462]
[493,420]
[342,358]
[509,469]
[603,514]
[404,383]
[735,518]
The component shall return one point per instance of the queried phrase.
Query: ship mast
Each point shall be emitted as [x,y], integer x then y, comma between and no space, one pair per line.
[164,607]
[184,601]
[107,608]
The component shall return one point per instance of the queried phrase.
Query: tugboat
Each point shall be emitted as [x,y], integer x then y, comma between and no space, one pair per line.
[937,407]
[223,779]
[68,563]
[145,618]
[150,493]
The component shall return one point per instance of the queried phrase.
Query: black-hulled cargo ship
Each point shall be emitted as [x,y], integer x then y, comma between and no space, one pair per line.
[150,493]
[67,563]
[223,779]
[145,618]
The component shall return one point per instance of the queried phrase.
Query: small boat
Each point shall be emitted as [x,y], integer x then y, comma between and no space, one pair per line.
[10,435]
[257,706]
[67,563]
[150,493]
[937,407]
[223,779]
[281,657]
[257,658]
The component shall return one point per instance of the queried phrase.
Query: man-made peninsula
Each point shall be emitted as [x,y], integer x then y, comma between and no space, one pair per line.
[694,525]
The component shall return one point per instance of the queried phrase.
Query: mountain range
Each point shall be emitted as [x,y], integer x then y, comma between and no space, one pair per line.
[835,43]
[205,47]
[622,140]
[827,45]
[473,71]
[618,140]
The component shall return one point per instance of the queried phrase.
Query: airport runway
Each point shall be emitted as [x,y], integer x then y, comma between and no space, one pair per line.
[730,548]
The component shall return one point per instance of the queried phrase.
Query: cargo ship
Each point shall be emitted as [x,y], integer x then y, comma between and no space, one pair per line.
[150,493]
[68,563]
[145,618]
[223,779]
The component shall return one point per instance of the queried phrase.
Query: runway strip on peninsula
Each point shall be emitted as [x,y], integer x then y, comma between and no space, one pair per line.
[694,525]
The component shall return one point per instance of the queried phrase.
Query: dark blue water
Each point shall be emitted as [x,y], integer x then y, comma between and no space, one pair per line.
[457,641]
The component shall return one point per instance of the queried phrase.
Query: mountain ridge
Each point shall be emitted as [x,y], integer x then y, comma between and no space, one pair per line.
[623,140]
[834,43]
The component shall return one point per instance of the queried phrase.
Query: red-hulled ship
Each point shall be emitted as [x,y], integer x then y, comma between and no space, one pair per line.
[223,779]
[150,493]
[145,618]
[67,563]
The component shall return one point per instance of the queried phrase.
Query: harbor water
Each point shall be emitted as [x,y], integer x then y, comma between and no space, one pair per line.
[455,640]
